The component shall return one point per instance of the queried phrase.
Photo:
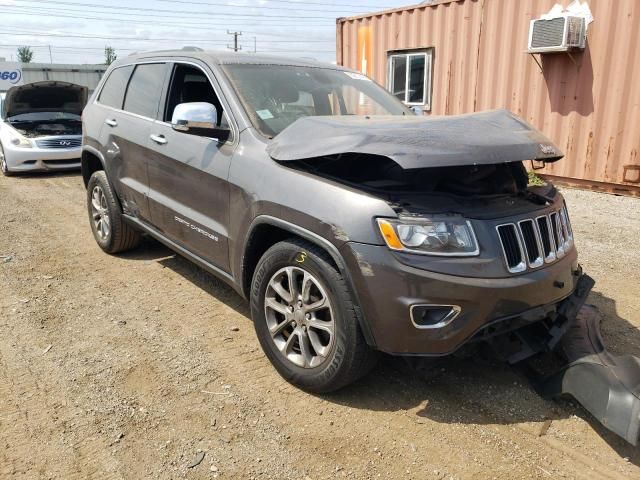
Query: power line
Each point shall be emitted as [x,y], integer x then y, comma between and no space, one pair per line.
[52,13]
[234,7]
[23,10]
[173,12]
[97,37]
[64,47]
[69,47]
[282,1]
[218,4]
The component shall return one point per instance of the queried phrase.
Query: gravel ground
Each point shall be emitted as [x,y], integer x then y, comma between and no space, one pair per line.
[142,365]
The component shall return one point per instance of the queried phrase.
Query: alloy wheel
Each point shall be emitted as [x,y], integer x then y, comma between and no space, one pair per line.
[100,212]
[300,317]
[3,161]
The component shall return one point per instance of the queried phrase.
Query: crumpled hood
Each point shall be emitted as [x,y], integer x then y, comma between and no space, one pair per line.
[490,137]
[47,96]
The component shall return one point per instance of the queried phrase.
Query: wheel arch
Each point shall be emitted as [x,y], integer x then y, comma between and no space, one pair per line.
[91,161]
[265,231]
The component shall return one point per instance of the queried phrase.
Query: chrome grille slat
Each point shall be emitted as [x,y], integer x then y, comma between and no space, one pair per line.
[544,227]
[512,247]
[60,142]
[532,242]
[531,239]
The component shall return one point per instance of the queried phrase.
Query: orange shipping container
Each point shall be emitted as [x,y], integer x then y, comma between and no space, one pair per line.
[588,103]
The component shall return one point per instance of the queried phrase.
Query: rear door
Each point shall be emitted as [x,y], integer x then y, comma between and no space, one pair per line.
[131,97]
[189,194]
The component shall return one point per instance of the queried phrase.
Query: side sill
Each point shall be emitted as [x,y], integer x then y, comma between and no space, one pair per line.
[209,267]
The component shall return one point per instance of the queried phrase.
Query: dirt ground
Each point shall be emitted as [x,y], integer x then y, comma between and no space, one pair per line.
[134,366]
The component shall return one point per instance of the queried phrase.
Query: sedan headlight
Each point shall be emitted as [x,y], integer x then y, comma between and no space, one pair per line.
[18,140]
[452,237]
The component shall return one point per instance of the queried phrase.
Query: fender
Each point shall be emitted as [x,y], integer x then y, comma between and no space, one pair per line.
[95,152]
[330,248]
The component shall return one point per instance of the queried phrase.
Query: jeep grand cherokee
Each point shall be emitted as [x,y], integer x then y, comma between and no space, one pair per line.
[350,224]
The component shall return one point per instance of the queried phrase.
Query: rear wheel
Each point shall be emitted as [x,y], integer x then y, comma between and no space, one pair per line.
[110,230]
[3,163]
[305,318]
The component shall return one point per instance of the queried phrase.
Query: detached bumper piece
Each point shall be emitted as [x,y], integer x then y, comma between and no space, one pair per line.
[565,355]
[606,385]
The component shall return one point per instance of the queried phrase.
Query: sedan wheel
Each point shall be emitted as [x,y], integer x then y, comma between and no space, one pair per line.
[3,162]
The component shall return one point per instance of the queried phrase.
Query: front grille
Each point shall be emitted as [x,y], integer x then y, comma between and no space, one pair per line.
[55,143]
[532,242]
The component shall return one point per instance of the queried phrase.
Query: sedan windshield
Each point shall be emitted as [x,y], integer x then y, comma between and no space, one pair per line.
[275,96]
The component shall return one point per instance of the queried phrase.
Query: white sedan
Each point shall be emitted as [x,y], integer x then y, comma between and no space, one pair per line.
[40,127]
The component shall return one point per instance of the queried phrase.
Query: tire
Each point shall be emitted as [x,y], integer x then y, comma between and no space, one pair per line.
[3,163]
[110,231]
[321,351]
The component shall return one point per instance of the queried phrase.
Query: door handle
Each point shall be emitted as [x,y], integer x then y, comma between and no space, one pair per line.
[159,139]
[111,122]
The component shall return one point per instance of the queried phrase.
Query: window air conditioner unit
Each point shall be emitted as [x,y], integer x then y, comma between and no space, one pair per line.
[559,34]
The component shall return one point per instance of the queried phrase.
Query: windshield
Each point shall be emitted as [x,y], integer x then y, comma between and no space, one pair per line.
[43,117]
[275,96]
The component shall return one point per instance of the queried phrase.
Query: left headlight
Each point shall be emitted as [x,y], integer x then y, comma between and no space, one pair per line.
[453,237]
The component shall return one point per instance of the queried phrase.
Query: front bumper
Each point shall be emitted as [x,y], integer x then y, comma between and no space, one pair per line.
[387,289]
[39,159]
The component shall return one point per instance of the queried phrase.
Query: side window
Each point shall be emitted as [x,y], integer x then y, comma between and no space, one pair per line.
[190,84]
[410,75]
[112,93]
[145,89]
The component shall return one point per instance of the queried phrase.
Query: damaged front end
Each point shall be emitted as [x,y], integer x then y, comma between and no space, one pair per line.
[514,283]
[462,164]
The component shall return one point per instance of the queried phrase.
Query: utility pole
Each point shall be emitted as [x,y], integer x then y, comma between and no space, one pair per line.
[235,47]
[255,45]
[50,56]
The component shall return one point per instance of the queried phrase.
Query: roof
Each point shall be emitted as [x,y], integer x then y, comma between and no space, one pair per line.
[422,5]
[222,57]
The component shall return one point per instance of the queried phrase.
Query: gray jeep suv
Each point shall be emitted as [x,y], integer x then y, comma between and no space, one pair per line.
[350,224]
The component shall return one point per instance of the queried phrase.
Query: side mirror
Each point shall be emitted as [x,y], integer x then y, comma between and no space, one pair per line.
[198,118]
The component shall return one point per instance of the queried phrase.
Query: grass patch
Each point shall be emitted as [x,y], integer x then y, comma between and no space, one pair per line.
[535,180]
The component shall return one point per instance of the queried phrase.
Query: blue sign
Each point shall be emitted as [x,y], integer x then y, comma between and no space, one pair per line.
[10,75]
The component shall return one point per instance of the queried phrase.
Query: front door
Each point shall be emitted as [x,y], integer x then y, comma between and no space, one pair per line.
[189,194]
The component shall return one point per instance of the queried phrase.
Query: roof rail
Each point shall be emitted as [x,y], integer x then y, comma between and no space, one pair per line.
[189,48]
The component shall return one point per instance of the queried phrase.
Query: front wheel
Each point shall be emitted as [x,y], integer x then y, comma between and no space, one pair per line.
[4,168]
[110,230]
[305,318]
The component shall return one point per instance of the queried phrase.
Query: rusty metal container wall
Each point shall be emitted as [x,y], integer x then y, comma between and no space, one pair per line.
[590,106]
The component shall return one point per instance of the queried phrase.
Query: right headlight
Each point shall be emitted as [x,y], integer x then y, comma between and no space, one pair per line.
[451,236]
[18,140]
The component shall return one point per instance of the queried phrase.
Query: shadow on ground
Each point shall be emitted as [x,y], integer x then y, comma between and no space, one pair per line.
[478,390]
[43,175]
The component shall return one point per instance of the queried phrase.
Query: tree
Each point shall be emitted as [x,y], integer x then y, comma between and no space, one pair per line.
[109,55]
[25,54]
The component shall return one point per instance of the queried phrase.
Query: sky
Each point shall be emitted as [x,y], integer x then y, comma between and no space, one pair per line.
[78,30]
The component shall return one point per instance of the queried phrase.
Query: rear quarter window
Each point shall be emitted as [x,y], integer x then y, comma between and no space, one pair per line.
[145,89]
[112,93]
